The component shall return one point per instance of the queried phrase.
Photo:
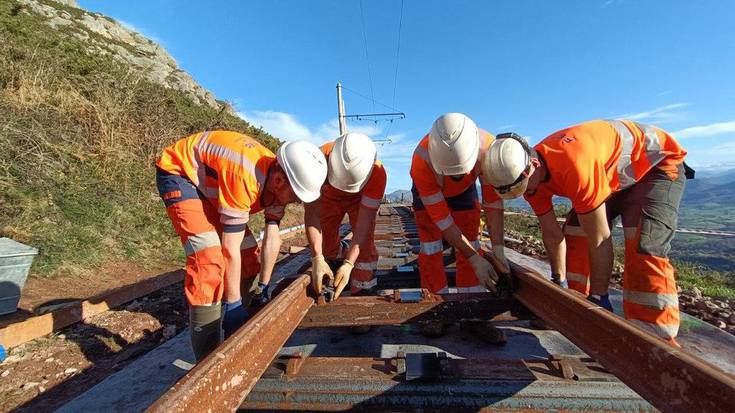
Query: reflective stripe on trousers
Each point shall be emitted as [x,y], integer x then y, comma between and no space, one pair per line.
[431,259]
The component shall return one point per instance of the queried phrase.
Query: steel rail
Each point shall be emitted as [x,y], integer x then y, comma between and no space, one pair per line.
[670,379]
[386,310]
[221,381]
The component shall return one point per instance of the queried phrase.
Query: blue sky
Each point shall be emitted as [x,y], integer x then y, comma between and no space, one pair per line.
[532,67]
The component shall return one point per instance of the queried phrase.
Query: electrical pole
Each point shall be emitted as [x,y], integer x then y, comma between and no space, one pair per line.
[374,117]
[341,110]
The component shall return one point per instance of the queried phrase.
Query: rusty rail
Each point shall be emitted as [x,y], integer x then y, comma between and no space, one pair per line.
[221,381]
[386,310]
[670,379]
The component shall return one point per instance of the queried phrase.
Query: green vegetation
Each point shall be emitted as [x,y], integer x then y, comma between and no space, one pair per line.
[690,272]
[79,135]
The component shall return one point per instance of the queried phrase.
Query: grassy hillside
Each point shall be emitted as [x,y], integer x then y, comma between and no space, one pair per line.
[79,134]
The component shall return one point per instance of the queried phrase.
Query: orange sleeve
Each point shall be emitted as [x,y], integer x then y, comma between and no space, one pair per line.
[586,185]
[430,192]
[235,197]
[541,201]
[490,198]
[374,189]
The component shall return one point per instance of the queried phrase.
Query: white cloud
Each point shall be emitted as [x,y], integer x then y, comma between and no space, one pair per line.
[288,127]
[279,124]
[705,130]
[663,114]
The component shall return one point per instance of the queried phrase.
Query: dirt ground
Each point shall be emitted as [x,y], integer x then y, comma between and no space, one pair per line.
[43,374]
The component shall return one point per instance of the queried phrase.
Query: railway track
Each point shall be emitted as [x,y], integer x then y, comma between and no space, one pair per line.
[294,355]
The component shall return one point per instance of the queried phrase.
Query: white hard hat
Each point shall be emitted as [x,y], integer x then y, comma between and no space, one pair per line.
[506,165]
[351,162]
[454,143]
[305,167]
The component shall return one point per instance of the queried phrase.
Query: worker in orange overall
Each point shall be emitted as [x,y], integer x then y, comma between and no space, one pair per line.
[210,183]
[444,169]
[355,186]
[607,169]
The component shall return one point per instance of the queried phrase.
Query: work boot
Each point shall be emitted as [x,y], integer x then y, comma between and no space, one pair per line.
[205,324]
[434,328]
[485,330]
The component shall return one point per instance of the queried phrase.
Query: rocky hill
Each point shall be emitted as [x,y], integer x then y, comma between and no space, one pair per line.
[86,105]
[105,36]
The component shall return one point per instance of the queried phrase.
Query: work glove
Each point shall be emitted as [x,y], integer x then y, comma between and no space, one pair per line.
[556,279]
[261,297]
[235,316]
[342,278]
[484,271]
[601,300]
[319,269]
[499,253]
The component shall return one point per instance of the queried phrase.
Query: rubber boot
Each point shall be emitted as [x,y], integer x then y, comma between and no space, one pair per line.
[205,324]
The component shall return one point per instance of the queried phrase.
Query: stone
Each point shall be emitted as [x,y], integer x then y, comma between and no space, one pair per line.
[49,360]
[5,373]
[169,331]
[720,324]
[70,370]
[696,292]
[29,385]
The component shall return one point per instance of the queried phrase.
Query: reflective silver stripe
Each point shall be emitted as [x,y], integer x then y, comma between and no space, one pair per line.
[370,202]
[630,232]
[655,300]
[652,144]
[474,289]
[239,158]
[495,204]
[232,212]
[665,331]
[422,153]
[364,285]
[445,223]
[366,266]
[248,242]
[431,247]
[626,175]
[228,220]
[432,199]
[198,242]
[475,244]
[574,231]
[573,276]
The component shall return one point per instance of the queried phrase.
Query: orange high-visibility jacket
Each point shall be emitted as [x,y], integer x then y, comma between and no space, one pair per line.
[372,192]
[434,188]
[590,161]
[229,168]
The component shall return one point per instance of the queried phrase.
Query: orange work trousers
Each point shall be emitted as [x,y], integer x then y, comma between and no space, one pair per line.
[196,221]
[649,212]
[465,210]
[333,210]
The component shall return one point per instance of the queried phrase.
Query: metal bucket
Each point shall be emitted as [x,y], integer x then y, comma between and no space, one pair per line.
[15,261]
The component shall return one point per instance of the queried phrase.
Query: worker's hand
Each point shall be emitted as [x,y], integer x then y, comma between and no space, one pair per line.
[499,253]
[484,271]
[319,269]
[342,278]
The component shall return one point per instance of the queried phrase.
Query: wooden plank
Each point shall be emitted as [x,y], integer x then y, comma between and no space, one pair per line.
[39,326]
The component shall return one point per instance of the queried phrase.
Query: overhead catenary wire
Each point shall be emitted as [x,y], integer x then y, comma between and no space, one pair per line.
[398,54]
[367,55]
